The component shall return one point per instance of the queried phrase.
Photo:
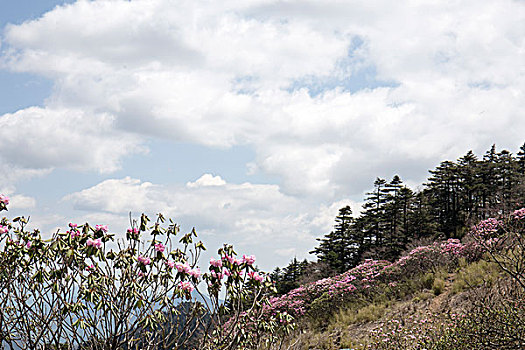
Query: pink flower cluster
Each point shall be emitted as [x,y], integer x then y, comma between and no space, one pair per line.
[74,231]
[103,228]
[217,275]
[186,286]
[144,260]
[519,214]
[4,199]
[248,260]
[159,247]
[215,263]
[255,276]
[365,277]
[183,267]
[3,229]
[195,273]
[96,243]
[232,260]
[487,228]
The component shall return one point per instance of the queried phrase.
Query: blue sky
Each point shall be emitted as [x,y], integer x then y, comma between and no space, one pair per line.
[253,121]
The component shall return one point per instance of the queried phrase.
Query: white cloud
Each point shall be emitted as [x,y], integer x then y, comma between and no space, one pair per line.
[38,139]
[21,202]
[216,74]
[207,180]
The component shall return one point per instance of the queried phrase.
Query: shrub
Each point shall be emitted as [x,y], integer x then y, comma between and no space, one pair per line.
[438,286]
[474,275]
[85,289]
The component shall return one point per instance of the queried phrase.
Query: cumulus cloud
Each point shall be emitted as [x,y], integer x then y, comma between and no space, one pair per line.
[244,73]
[38,139]
[21,202]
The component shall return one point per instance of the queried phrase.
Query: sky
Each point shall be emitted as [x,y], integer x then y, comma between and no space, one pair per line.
[253,121]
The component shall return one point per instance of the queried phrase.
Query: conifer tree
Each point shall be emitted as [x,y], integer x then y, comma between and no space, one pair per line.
[334,248]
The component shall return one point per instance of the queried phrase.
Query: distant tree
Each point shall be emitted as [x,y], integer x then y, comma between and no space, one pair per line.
[288,278]
[521,160]
[374,212]
[334,247]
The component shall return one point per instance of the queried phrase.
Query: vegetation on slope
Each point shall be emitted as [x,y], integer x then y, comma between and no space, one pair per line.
[447,295]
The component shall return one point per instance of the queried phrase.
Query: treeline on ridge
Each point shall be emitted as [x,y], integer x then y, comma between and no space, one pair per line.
[456,195]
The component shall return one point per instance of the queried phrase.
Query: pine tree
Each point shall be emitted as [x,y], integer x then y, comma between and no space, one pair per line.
[374,212]
[521,160]
[334,247]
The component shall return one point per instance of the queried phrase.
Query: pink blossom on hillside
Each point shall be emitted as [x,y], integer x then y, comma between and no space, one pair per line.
[159,247]
[519,214]
[170,263]
[3,229]
[487,228]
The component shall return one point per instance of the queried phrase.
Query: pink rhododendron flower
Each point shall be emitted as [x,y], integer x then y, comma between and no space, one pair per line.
[519,214]
[73,226]
[227,273]
[486,228]
[4,199]
[3,229]
[216,263]
[183,268]
[74,233]
[170,264]
[144,260]
[217,275]
[133,230]
[186,286]
[28,244]
[255,276]
[248,260]
[231,260]
[195,272]
[103,228]
[159,247]
[96,243]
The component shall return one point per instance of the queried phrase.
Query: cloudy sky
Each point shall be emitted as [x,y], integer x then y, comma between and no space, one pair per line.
[252,120]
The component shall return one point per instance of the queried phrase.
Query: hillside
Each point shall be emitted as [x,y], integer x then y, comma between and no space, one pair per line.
[445,295]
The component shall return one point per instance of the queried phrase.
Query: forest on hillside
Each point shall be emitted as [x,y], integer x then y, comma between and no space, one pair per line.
[394,218]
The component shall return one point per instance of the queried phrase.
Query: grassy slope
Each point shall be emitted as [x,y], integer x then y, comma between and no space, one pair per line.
[439,293]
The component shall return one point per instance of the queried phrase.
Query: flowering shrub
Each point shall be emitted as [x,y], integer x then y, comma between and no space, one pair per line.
[84,289]
[503,239]
[323,297]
